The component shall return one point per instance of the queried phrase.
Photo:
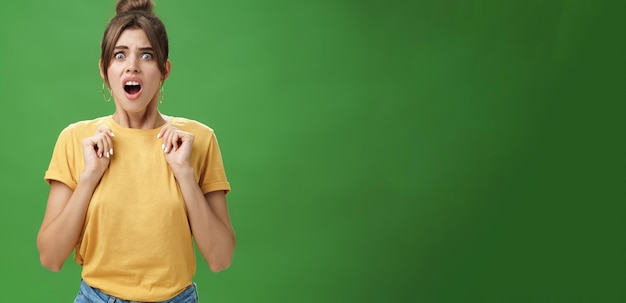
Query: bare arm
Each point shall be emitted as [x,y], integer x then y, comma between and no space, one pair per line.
[207,213]
[210,222]
[62,223]
[66,208]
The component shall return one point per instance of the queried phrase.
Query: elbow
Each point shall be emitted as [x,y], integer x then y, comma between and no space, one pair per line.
[47,256]
[50,264]
[55,268]
[48,260]
[217,265]
[221,260]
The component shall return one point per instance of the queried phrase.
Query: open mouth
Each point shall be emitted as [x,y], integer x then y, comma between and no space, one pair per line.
[132,87]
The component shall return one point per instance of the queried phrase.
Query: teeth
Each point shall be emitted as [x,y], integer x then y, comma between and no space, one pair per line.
[131,83]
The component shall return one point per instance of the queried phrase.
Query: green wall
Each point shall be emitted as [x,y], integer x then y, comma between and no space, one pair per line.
[378,151]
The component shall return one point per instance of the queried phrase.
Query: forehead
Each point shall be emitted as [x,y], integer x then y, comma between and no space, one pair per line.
[133,37]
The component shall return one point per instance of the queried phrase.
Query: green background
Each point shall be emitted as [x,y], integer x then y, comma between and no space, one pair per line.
[378,151]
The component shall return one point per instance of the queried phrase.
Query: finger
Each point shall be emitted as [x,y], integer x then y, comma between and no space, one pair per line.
[162,132]
[106,130]
[106,144]
[167,138]
[163,135]
[90,143]
[99,147]
[176,138]
[187,137]
[107,133]
[109,143]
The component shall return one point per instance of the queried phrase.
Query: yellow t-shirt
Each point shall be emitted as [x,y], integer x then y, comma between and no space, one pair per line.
[136,243]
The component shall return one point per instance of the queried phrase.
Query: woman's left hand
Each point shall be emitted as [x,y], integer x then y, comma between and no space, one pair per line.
[177,147]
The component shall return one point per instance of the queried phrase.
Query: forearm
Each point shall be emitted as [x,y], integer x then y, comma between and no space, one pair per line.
[57,239]
[215,239]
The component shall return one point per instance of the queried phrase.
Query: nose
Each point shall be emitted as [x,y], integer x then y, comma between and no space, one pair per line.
[132,66]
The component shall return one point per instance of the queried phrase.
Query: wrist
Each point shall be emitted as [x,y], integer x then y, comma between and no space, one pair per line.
[183,172]
[89,178]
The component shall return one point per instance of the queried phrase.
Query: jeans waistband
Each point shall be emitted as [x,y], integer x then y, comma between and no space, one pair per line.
[189,295]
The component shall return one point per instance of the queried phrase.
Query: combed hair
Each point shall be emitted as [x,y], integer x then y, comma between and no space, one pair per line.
[135,14]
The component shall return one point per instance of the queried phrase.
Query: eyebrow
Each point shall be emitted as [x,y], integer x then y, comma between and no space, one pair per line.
[141,48]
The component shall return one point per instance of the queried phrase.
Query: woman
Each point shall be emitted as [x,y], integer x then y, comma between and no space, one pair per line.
[128,191]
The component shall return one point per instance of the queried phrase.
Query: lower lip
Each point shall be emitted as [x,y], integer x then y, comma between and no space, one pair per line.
[134,96]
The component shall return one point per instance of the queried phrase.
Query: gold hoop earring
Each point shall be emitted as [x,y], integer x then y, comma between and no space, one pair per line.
[161,94]
[104,94]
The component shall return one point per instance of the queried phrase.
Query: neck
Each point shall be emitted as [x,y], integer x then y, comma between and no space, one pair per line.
[144,120]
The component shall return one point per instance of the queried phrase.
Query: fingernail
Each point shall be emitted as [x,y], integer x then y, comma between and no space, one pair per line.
[111,151]
[112,134]
[166,150]
[99,155]
[107,154]
[163,146]
[158,135]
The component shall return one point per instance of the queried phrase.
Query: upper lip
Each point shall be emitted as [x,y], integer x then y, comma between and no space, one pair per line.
[134,79]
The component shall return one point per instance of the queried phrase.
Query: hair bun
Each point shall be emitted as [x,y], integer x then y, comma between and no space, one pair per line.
[134,5]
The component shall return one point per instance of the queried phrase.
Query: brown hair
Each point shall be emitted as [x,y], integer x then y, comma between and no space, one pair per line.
[132,14]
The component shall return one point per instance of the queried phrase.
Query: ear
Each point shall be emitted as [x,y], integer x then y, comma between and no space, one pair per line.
[101,71]
[168,68]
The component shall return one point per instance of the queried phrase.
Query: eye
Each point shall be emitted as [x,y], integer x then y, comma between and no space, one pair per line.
[146,56]
[118,55]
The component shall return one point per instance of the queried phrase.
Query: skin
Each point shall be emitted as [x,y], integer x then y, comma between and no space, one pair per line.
[66,208]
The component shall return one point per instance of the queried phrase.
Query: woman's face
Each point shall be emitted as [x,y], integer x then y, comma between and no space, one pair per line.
[134,75]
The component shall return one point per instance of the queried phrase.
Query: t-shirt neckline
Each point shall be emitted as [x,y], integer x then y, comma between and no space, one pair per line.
[117,128]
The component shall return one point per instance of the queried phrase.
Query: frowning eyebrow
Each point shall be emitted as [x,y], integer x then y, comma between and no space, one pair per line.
[143,49]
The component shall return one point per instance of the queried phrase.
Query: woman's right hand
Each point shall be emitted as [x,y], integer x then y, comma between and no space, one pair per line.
[97,151]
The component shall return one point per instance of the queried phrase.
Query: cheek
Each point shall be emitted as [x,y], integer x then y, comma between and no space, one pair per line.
[155,74]
[112,70]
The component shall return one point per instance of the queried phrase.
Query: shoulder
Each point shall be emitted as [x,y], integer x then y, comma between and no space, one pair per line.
[198,129]
[82,129]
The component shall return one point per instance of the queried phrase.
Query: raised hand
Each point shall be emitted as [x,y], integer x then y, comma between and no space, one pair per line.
[97,151]
[177,147]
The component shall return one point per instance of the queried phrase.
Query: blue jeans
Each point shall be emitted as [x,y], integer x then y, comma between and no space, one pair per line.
[88,294]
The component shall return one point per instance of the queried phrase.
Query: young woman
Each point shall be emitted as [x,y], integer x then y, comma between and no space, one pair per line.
[129,191]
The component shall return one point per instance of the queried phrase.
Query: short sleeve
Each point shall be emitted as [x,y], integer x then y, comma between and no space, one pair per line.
[213,176]
[62,166]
